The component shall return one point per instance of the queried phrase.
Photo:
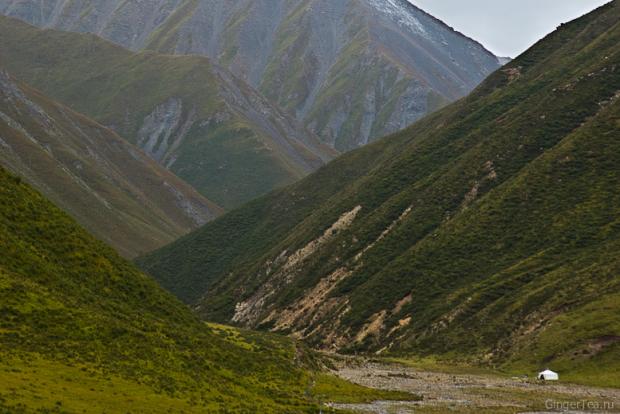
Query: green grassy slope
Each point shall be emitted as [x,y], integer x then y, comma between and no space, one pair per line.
[487,231]
[108,185]
[82,330]
[206,126]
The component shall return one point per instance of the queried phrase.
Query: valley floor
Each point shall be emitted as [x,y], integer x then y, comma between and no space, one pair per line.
[442,391]
[39,385]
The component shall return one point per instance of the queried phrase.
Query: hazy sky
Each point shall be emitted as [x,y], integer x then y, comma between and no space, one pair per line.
[507,27]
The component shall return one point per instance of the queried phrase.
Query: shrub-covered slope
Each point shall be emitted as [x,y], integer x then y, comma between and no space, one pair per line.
[351,70]
[488,230]
[195,118]
[83,330]
[111,187]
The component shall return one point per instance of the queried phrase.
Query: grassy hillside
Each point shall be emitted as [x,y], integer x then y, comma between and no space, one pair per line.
[487,232]
[82,330]
[108,185]
[196,119]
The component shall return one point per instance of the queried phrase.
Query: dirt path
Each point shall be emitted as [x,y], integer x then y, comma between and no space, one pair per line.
[443,392]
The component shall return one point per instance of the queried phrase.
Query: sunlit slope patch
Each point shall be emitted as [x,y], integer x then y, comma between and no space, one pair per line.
[83,329]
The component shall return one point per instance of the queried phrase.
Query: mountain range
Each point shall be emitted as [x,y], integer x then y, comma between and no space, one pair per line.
[250,158]
[350,70]
[487,232]
[193,117]
[112,188]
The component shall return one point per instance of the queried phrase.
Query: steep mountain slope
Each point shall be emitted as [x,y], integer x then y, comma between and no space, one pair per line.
[352,70]
[195,118]
[113,189]
[488,231]
[82,330]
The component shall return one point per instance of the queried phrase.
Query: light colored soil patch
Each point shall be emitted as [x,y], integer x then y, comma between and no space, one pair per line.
[378,407]
[385,232]
[248,311]
[342,223]
[373,327]
[310,303]
[402,303]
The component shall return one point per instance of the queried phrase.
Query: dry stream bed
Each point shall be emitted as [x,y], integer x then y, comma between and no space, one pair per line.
[442,392]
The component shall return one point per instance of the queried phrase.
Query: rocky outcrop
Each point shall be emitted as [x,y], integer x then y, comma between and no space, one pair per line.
[157,133]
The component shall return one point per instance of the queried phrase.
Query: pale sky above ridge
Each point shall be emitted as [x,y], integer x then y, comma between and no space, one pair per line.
[507,27]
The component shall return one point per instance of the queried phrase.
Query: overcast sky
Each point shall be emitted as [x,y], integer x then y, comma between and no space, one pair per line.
[507,27]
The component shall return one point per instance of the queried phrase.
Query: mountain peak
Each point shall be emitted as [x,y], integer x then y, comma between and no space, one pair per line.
[312,58]
[400,12]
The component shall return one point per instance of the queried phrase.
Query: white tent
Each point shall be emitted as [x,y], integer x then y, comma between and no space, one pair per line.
[548,375]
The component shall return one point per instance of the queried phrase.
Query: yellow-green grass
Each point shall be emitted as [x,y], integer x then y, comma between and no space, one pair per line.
[30,382]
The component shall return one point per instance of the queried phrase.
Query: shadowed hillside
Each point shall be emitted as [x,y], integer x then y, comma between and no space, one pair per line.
[111,187]
[488,231]
[195,118]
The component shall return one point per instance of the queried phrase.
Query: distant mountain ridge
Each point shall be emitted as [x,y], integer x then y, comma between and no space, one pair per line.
[192,116]
[488,231]
[111,187]
[351,70]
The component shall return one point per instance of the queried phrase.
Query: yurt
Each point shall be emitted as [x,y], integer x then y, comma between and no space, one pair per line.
[548,375]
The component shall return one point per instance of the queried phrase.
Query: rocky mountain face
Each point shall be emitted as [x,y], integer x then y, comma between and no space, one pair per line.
[487,231]
[350,70]
[109,186]
[196,119]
